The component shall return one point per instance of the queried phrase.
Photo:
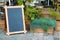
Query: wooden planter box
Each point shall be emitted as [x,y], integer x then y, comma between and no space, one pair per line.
[39,30]
[58,26]
[2,24]
[45,15]
[58,17]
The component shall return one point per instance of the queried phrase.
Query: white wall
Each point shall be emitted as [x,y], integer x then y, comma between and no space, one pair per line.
[41,0]
[1,4]
[1,0]
[58,0]
[7,0]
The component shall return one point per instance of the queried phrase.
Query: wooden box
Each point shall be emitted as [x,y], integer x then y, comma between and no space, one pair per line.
[58,26]
[39,30]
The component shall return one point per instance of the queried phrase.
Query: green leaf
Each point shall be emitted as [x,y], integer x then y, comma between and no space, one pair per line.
[20,2]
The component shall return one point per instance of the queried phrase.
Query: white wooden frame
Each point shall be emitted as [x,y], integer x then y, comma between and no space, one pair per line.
[6,7]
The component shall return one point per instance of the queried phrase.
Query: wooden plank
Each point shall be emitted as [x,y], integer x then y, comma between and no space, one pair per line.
[1,21]
[58,26]
[39,30]
[2,24]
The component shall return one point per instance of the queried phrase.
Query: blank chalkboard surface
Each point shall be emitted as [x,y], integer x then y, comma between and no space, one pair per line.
[15,19]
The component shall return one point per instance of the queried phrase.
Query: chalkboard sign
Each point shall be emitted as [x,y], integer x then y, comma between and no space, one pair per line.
[15,19]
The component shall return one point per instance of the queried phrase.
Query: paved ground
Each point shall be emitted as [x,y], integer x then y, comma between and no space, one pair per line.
[29,36]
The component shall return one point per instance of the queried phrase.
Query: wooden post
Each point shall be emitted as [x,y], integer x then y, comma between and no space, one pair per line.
[9,2]
[48,2]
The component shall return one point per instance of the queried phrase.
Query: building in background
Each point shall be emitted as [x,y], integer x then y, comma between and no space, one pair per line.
[59,2]
[2,2]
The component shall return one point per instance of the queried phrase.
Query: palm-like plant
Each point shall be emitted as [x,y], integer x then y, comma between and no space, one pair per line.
[20,2]
[29,0]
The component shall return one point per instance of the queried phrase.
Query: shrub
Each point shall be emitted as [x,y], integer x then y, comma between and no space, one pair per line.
[20,2]
[32,12]
[43,23]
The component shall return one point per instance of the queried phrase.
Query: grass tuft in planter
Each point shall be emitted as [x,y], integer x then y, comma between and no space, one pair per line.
[43,23]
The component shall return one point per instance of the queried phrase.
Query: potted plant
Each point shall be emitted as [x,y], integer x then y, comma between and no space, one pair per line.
[45,25]
[31,13]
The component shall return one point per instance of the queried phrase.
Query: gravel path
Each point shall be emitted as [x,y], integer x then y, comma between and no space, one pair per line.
[29,36]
